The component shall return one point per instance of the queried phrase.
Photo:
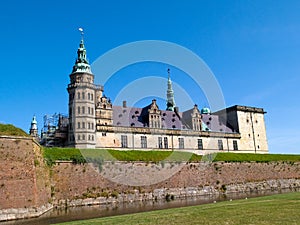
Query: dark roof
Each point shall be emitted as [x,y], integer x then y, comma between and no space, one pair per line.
[214,123]
[137,117]
[241,108]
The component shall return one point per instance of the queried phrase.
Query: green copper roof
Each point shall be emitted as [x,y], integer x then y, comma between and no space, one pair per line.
[170,94]
[205,110]
[81,63]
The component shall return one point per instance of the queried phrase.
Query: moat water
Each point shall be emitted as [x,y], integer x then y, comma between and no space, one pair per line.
[97,211]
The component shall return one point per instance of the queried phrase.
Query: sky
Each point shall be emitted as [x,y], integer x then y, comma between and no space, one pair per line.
[251,47]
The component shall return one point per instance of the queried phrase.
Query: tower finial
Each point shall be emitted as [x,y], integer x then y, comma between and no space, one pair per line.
[168,73]
[81,32]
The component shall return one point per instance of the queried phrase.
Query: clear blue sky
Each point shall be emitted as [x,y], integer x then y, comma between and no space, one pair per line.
[252,47]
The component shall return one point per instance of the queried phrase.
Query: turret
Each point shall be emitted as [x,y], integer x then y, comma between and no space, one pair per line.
[33,131]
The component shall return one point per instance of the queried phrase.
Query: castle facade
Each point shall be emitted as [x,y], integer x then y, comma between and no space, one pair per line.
[94,122]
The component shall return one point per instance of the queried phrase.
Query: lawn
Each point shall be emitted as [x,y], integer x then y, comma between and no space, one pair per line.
[83,155]
[276,209]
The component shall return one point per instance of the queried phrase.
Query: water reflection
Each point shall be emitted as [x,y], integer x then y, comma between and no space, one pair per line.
[89,212]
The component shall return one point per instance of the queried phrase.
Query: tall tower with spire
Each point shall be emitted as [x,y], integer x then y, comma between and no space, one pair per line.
[170,94]
[82,92]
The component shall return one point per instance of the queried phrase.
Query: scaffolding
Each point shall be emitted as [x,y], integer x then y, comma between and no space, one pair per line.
[55,130]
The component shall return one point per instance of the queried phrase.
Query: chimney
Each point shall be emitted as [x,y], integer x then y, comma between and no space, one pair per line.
[124,104]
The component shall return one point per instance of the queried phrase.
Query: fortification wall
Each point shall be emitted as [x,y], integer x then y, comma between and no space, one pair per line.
[24,178]
[71,182]
[28,187]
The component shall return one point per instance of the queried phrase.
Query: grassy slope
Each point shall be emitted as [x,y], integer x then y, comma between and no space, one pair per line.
[77,155]
[10,130]
[276,209]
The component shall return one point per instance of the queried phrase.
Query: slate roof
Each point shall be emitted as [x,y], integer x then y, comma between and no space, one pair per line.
[138,117]
[215,124]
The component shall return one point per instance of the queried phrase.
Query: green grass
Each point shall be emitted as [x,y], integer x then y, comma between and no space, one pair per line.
[80,156]
[249,157]
[11,130]
[276,209]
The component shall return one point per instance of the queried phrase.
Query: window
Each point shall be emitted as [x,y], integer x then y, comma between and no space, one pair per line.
[92,126]
[83,125]
[78,95]
[124,141]
[83,137]
[83,110]
[220,144]
[92,137]
[181,143]
[89,96]
[78,125]
[83,95]
[78,110]
[166,142]
[200,144]
[235,145]
[92,111]
[104,134]
[92,97]
[89,110]
[143,142]
[159,142]
[89,137]
[89,125]
[78,137]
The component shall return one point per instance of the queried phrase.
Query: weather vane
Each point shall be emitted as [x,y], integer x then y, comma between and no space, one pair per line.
[81,32]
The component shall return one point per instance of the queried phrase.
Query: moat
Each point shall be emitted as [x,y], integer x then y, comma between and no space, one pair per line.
[88,212]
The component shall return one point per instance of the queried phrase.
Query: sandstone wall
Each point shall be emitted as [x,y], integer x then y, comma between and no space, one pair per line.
[71,181]
[24,178]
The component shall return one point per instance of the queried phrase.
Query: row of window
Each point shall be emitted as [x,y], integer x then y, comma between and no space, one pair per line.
[81,110]
[163,143]
[81,95]
[82,137]
[90,126]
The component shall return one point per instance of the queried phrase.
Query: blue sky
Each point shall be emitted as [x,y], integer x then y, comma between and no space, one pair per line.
[252,47]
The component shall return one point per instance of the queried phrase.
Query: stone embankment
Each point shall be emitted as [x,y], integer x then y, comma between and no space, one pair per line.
[188,192]
[28,187]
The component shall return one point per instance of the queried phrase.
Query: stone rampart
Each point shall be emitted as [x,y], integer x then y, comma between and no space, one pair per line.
[28,187]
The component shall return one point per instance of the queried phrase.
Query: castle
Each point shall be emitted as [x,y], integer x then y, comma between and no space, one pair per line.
[94,122]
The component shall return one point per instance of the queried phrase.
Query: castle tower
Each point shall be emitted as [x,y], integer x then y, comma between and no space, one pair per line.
[33,131]
[170,95]
[82,97]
